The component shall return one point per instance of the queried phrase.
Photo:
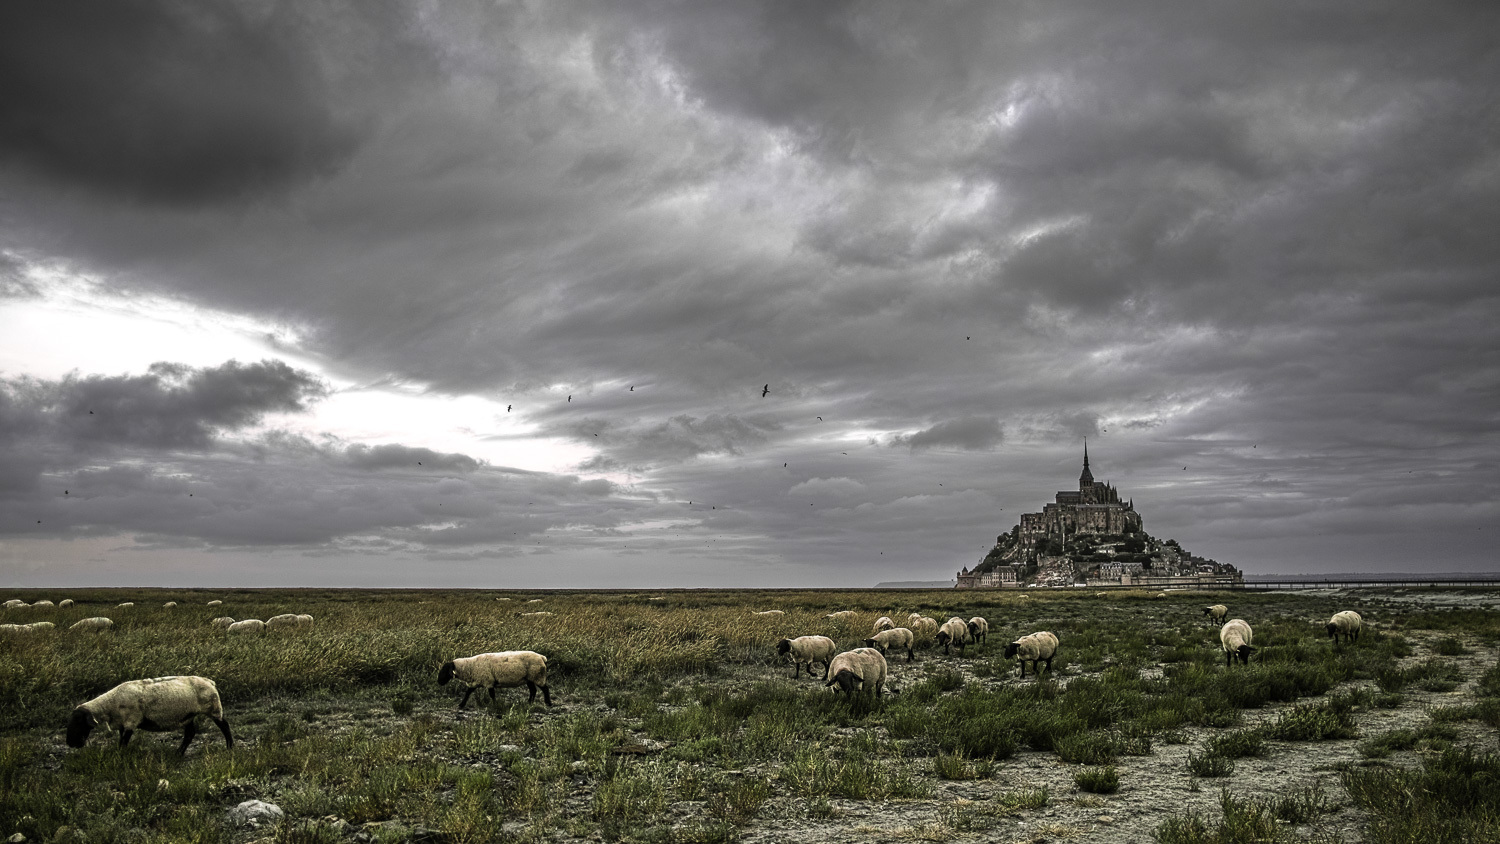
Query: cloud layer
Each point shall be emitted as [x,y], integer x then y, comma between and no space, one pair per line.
[1248,242]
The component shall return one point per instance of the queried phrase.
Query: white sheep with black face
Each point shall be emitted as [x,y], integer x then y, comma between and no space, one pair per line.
[806,650]
[923,626]
[979,630]
[1235,637]
[859,670]
[43,605]
[1035,648]
[1347,624]
[159,705]
[883,623]
[898,638]
[502,670]
[1216,613]
[65,603]
[955,631]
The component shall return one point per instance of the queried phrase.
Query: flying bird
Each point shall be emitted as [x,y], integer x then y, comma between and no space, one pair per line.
[570,398]
[507,408]
[632,388]
[764,390]
[820,419]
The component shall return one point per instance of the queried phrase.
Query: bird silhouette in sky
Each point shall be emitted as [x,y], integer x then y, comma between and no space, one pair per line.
[507,408]
[764,390]
[820,419]
[419,463]
[632,388]
[570,398]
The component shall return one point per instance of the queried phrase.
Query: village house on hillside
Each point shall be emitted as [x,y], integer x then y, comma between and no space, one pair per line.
[1091,537]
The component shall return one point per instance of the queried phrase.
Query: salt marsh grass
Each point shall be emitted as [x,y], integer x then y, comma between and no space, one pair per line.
[674,723]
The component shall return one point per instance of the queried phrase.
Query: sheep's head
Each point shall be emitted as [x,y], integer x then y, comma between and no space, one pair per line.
[874,643]
[1333,630]
[1012,649]
[973,628]
[1244,652]
[445,673]
[846,680]
[784,647]
[80,724]
[942,637]
[1208,610]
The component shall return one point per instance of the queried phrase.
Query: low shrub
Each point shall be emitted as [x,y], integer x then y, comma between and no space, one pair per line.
[1105,780]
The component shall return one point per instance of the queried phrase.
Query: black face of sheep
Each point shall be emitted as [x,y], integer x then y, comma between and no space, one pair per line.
[445,673]
[846,680]
[874,643]
[1242,652]
[974,631]
[943,638]
[1012,649]
[80,724]
[784,647]
[1333,631]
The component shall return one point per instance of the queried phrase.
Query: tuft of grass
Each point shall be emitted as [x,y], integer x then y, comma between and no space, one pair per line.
[1452,797]
[955,766]
[1209,765]
[1238,744]
[1105,780]
[1305,722]
[1449,646]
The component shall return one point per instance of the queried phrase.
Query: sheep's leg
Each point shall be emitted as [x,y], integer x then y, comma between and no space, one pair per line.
[827,664]
[547,695]
[531,687]
[465,701]
[492,694]
[125,736]
[1049,666]
[188,731]
[224,728]
[911,655]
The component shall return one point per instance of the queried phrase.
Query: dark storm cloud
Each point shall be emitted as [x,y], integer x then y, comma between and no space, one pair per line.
[171,102]
[1253,241]
[971,433]
[171,406]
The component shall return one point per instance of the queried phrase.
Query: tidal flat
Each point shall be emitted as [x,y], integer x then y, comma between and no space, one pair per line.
[674,721]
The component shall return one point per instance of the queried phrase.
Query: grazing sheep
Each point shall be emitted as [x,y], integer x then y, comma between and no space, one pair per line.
[769,612]
[215,603]
[36,626]
[169,605]
[897,638]
[92,625]
[534,601]
[249,625]
[15,604]
[64,603]
[883,623]
[277,622]
[125,606]
[807,649]
[979,629]
[304,620]
[1037,648]
[159,705]
[15,628]
[923,626]
[861,669]
[222,622]
[1235,638]
[537,614]
[1216,613]
[1158,596]
[1347,623]
[43,605]
[841,614]
[505,670]
[955,631]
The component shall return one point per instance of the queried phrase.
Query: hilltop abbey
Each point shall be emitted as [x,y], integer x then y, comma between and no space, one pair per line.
[1090,537]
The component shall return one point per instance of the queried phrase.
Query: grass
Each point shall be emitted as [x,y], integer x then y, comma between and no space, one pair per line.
[674,722]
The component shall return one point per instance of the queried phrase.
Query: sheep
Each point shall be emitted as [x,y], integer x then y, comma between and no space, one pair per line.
[1347,623]
[883,623]
[769,612]
[504,670]
[841,615]
[215,603]
[1235,638]
[125,605]
[807,649]
[92,625]
[169,605]
[40,625]
[65,603]
[861,669]
[222,622]
[304,620]
[288,620]
[1037,647]
[534,601]
[537,614]
[923,626]
[159,705]
[15,628]
[1216,613]
[979,629]
[249,625]
[15,604]
[1158,596]
[955,631]
[897,637]
[43,605]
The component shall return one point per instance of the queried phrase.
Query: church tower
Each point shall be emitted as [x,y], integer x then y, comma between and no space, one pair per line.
[1086,480]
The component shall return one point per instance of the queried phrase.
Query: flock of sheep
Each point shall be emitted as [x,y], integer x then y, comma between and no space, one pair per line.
[865,670]
[100,623]
[170,703]
[1235,635]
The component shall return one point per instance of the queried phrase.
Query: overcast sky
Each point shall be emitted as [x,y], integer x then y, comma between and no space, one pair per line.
[298,293]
